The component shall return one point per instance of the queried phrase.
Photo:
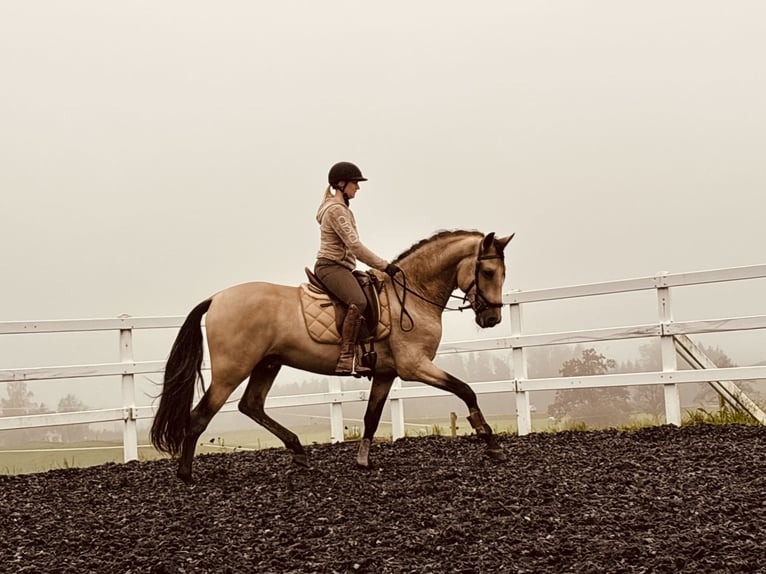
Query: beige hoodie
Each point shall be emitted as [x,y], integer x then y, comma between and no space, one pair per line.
[339,239]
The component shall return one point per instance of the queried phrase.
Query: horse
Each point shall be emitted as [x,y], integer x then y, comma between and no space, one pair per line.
[254,328]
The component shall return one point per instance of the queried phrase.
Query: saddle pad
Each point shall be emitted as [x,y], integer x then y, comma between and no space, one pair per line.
[319,314]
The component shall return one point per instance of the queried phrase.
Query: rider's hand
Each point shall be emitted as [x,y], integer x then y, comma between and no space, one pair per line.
[392,269]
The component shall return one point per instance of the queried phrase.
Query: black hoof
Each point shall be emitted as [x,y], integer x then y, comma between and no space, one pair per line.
[185,477]
[301,460]
[496,454]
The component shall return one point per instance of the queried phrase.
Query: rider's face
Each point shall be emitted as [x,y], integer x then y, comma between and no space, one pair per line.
[351,188]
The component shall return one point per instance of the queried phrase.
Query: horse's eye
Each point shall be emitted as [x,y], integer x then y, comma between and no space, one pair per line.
[488,273]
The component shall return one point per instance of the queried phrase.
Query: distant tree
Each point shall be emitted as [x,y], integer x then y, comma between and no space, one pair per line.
[485,367]
[627,367]
[19,402]
[649,357]
[501,369]
[544,362]
[649,400]
[718,356]
[589,363]
[473,367]
[453,363]
[70,404]
[603,406]
[705,393]
[72,433]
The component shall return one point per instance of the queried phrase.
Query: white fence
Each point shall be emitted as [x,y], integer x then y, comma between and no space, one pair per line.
[519,384]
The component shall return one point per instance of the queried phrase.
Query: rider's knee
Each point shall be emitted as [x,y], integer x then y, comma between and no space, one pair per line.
[360,304]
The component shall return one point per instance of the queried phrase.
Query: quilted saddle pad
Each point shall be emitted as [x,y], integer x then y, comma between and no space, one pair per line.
[319,314]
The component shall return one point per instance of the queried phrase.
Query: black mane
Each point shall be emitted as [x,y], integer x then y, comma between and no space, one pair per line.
[435,237]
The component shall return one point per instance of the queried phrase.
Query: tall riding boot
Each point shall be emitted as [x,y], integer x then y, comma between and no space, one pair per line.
[351,325]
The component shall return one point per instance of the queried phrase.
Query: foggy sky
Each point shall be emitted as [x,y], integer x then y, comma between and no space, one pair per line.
[152,153]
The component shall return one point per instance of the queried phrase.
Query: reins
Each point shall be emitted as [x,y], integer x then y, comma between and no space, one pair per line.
[479,300]
[403,298]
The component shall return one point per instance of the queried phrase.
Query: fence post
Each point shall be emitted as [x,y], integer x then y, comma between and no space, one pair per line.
[519,371]
[129,430]
[397,413]
[336,412]
[668,354]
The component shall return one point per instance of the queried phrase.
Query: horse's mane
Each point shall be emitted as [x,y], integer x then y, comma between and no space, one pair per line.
[436,237]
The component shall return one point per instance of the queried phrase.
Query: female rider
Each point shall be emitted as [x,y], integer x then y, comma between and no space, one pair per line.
[339,249]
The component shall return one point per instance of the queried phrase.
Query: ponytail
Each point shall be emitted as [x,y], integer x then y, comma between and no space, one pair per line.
[328,192]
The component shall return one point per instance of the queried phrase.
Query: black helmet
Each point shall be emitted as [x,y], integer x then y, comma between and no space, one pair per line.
[344,171]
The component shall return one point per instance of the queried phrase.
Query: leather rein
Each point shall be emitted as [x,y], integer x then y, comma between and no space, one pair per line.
[480,302]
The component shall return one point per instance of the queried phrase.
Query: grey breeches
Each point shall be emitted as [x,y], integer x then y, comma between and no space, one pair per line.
[341,281]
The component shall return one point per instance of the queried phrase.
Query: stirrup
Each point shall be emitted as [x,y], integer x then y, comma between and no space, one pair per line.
[360,370]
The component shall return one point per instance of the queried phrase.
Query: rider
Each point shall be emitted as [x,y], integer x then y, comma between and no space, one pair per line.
[339,249]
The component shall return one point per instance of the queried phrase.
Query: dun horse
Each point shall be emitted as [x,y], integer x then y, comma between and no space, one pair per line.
[255,328]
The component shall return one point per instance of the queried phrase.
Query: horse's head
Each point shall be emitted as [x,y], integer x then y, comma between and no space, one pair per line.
[483,278]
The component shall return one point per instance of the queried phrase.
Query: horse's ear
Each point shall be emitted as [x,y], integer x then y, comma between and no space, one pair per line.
[487,242]
[503,241]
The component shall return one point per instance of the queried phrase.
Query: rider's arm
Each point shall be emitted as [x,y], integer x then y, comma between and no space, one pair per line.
[342,221]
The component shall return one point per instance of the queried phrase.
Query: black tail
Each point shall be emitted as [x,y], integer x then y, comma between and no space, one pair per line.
[183,368]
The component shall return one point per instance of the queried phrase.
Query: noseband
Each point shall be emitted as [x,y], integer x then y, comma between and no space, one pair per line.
[480,302]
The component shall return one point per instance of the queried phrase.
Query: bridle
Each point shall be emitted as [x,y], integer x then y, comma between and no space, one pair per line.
[479,304]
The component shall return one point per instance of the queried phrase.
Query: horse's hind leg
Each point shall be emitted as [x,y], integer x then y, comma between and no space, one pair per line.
[253,402]
[381,385]
[210,403]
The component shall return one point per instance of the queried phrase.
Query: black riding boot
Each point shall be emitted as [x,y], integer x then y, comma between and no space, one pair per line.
[347,358]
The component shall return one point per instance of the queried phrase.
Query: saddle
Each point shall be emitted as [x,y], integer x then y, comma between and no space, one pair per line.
[324,313]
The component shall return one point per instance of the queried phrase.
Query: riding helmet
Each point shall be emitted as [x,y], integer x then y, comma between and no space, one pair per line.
[344,171]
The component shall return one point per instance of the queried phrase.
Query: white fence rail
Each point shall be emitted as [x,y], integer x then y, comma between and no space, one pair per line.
[519,383]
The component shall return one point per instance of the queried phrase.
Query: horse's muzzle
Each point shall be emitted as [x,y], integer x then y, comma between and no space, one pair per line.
[486,320]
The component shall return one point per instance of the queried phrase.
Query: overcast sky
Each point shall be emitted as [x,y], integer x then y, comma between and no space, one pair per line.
[152,153]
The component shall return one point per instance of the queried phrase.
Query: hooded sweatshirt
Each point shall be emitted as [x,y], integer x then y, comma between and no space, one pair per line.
[339,239]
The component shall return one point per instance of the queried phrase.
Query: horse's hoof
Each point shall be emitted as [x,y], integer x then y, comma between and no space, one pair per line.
[497,454]
[301,460]
[185,477]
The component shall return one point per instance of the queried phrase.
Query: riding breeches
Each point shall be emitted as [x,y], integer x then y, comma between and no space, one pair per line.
[341,281]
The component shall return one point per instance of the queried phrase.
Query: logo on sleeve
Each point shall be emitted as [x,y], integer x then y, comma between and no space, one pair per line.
[348,228]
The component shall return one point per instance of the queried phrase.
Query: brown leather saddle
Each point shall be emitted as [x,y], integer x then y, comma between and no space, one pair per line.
[371,286]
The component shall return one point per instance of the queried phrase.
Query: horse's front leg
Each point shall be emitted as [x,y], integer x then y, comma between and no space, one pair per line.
[428,373]
[381,385]
[484,431]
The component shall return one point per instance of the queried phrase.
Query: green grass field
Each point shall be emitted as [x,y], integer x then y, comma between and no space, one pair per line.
[42,456]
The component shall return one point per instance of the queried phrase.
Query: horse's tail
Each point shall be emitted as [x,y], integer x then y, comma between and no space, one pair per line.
[183,368]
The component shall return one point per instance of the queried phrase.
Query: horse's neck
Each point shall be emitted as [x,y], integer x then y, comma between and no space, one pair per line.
[433,271]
